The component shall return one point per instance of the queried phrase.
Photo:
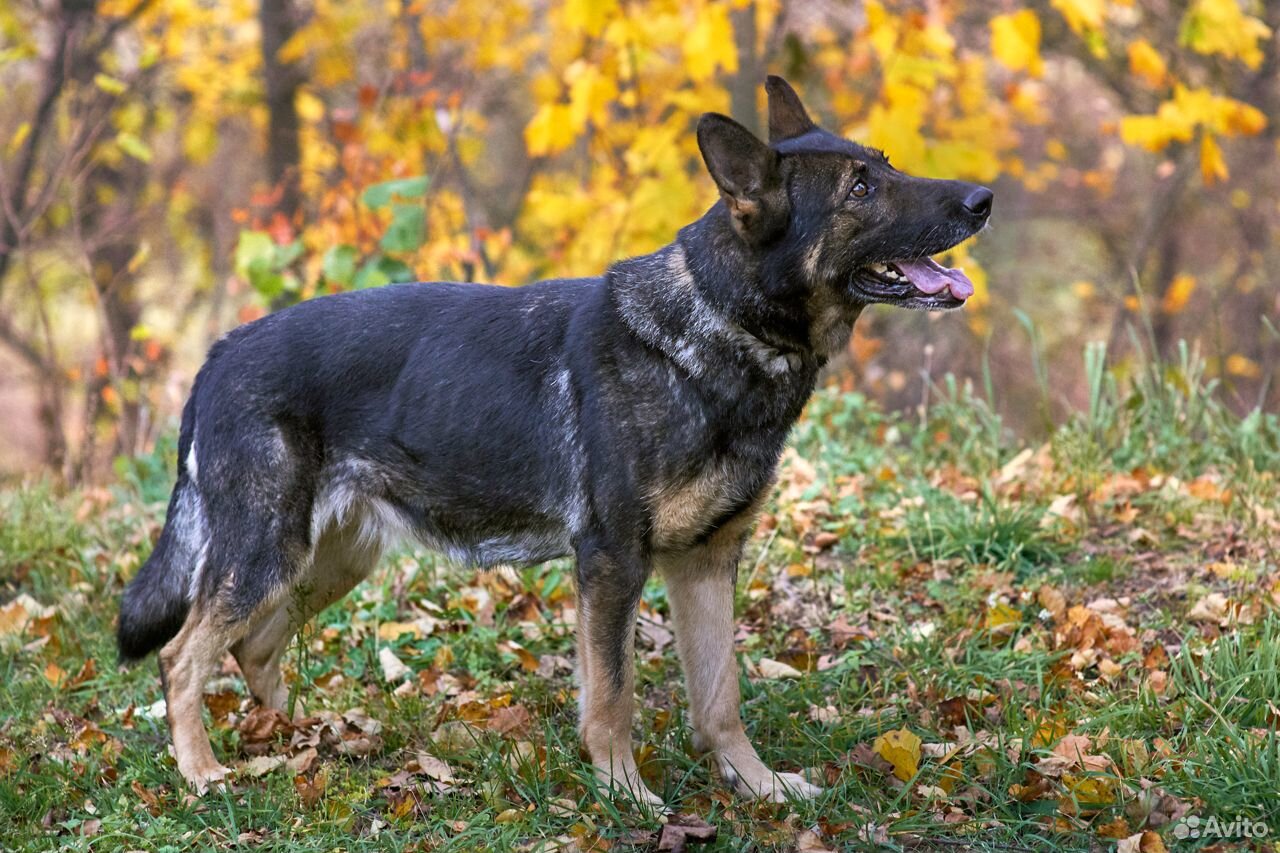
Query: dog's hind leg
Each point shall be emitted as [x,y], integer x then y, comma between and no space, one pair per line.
[700,586]
[609,587]
[186,662]
[256,494]
[259,652]
[342,559]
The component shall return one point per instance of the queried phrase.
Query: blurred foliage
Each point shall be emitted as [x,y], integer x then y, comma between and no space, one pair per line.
[184,176]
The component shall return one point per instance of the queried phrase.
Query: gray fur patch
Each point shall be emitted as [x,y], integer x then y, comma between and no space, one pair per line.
[190,531]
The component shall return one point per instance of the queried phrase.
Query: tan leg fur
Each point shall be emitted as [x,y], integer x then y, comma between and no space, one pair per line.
[700,592]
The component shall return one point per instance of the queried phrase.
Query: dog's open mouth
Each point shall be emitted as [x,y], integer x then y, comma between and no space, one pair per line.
[919,283]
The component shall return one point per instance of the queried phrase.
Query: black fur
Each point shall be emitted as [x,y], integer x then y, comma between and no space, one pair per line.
[611,417]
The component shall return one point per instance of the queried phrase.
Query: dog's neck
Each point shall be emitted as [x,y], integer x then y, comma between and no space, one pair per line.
[672,303]
[709,289]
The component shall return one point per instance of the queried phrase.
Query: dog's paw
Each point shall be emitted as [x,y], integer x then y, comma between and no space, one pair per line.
[764,784]
[203,778]
[628,788]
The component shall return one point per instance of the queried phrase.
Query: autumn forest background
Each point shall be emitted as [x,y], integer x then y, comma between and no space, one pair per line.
[1017,587]
[171,168]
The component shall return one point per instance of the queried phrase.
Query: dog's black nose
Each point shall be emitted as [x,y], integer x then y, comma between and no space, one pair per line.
[979,201]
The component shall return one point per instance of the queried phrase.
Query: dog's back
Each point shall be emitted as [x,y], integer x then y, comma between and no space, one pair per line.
[440,411]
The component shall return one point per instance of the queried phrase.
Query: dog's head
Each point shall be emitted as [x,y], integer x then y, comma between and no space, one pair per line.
[837,213]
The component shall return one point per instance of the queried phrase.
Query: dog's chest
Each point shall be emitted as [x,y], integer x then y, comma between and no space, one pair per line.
[684,509]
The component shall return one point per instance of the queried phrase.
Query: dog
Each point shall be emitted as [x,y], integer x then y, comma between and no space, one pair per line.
[633,421]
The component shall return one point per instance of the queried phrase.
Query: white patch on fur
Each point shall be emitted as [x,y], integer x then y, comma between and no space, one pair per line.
[379,523]
[193,468]
[574,511]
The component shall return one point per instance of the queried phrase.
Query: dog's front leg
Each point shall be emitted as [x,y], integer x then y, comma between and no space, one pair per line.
[700,592]
[610,581]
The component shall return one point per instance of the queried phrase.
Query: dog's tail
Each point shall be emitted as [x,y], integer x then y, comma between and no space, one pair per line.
[156,601]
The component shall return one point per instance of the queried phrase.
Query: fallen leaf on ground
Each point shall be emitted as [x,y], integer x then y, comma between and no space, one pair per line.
[262,727]
[682,830]
[1142,842]
[434,768]
[393,669]
[809,841]
[770,668]
[261,765]
[901,748]
[15,615]
[513,719]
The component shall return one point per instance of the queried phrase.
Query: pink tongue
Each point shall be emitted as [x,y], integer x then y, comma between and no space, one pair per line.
[931,277]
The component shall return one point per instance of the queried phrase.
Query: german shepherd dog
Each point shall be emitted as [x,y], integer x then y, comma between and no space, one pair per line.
[633,421]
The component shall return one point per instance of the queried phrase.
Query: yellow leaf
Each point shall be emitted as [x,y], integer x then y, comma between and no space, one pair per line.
[310,108]
[1146,63]
[589,16]
[1212,167]
[901,748]
[1177,118]
[1151,132]
[709,45]
[1180,290]
[1015,41]
[199,139]
[1240,119]
[109,84]
[1221,27]
[1002,619]
[1083,16]
[590,93]
[550,130]
[55,674]
[391,631]
[1090,792]
[19,136]
[1239,365]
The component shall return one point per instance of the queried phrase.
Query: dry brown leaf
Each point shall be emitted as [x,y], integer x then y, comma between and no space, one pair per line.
[17,614]
[310,791]
[682,830]
[149,798]
[261,728]
[434,768]
[1053,601]
[809,841]
[393,669]
[1142,842]
[261,765]
[511,720]
[770,668]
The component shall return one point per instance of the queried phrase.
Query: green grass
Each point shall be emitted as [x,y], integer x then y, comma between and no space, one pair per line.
[929,613]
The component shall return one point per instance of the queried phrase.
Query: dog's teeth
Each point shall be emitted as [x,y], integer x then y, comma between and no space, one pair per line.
[880,268]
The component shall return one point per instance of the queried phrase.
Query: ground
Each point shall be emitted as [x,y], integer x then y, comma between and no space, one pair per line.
[971,642]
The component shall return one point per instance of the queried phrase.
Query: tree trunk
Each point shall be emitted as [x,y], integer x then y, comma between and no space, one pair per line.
[279,22]
[746,83]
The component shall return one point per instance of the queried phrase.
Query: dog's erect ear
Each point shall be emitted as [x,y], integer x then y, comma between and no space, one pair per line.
[746,171]
[787,116]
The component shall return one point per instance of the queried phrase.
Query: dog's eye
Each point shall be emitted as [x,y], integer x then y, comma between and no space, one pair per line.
[860,189]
